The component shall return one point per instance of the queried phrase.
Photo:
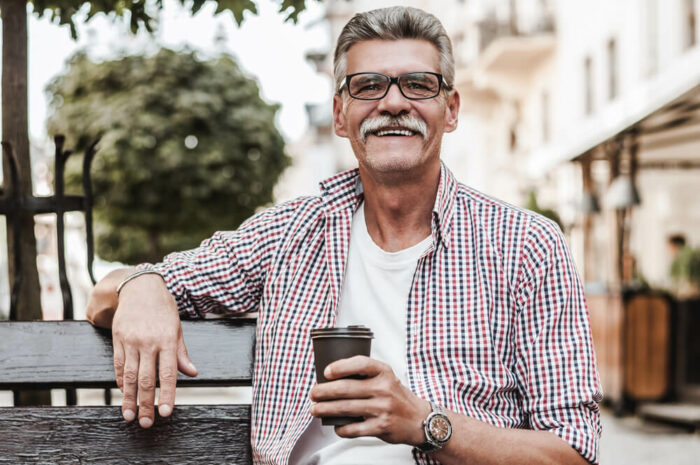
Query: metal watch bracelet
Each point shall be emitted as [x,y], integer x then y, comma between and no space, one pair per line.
[433,443]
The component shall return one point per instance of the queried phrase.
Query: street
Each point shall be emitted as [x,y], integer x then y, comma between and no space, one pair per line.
[632,441]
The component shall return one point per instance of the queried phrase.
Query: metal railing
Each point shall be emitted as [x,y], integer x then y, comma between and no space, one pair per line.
[13,205]
[492,28]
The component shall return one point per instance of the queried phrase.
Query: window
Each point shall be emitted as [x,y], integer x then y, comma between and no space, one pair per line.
[545,116]
[689,20]
[588,83]
[612,69]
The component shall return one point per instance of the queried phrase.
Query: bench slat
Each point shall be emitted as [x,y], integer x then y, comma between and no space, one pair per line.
[191,435]
[43,354]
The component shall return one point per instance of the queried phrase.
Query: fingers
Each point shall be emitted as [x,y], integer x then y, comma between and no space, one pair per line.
[119,365]
[389,408]
[146,388]
[184,364]
[370,427]
[340,389]
[379,420]
[129,383]
[357,365]
[346,408]
[167,374]
[136,377]
[146,330]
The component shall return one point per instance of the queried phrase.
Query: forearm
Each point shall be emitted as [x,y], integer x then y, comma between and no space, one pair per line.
[103,299]
[478,443]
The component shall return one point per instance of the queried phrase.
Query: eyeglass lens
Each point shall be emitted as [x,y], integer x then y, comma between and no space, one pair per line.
[412,85]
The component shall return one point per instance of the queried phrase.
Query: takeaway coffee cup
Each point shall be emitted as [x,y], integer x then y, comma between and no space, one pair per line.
[331,344]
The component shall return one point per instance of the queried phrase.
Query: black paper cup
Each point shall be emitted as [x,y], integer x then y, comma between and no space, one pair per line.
[331,344]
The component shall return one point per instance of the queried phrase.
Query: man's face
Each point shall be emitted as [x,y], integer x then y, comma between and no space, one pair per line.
[383,149]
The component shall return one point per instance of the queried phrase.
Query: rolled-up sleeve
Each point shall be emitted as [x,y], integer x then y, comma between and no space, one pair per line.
[226,273]
[556,367]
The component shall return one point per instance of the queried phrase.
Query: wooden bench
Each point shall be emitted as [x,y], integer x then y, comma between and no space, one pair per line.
[73,354]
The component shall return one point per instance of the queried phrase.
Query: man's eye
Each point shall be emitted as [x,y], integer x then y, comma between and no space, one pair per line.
[368,87]
[416,86]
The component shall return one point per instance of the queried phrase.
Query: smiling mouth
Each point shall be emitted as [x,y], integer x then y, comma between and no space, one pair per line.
[393,132]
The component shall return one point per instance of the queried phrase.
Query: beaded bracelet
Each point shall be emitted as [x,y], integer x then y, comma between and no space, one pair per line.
[136,275]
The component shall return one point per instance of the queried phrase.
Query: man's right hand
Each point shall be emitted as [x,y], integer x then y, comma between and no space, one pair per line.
[146,336]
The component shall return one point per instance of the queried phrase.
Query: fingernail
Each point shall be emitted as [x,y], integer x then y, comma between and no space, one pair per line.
[164,410]
[145,422]
[129,415]
[191,365]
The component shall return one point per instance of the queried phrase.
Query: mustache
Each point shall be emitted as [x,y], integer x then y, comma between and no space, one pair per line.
[406,121]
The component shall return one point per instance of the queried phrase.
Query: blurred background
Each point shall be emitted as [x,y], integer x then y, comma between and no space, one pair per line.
[586,112]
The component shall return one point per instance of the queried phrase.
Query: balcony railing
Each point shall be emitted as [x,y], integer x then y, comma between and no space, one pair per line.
[491,28]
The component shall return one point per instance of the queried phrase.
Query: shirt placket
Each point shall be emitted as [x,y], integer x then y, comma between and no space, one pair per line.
[337,237]
[418,307]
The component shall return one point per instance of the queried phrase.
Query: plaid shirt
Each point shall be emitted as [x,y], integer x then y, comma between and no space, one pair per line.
[496,322]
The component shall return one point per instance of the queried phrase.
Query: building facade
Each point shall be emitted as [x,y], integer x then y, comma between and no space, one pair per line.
[593,105]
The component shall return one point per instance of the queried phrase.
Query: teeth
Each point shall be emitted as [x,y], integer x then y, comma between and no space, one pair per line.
[394,132]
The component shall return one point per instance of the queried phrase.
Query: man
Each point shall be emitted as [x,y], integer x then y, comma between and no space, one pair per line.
[480,324]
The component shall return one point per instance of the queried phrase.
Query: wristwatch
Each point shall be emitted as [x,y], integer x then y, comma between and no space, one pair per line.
[438,429]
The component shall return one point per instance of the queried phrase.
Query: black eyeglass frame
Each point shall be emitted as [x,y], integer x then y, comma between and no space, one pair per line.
[395,80]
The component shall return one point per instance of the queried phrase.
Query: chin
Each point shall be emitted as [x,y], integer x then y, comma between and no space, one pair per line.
[383,163]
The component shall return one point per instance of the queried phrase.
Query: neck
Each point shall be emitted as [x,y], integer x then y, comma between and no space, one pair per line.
[399,213]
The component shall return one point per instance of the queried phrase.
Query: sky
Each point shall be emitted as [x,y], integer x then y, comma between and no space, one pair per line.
[269,49]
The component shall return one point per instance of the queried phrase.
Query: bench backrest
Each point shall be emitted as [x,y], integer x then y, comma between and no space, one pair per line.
[74,354]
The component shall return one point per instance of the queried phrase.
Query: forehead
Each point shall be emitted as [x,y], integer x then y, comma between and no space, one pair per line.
[392,56]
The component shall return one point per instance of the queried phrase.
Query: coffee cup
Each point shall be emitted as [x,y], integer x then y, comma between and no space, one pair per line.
[331,344]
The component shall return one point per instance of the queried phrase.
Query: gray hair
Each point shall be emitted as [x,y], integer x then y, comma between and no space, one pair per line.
[394,23]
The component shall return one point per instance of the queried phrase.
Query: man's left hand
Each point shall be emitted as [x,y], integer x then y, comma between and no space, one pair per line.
[391,411]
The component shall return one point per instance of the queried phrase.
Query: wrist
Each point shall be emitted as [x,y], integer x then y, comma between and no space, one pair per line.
[437,428]
[137,275]
[103,300]
[418,431]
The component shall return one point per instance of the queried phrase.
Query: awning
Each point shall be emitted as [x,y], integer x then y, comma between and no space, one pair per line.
[668,101]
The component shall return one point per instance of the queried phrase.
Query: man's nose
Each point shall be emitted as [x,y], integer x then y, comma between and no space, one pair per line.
[394,102]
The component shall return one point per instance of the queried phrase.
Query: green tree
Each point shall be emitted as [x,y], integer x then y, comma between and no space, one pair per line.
[188,147]
[13,14]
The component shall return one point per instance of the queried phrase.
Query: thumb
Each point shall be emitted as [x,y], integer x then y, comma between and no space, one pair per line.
[184,364]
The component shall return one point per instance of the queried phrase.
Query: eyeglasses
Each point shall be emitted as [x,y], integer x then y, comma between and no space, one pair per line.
[419,85]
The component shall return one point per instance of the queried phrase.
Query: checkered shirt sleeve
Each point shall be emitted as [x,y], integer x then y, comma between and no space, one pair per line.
[556,366]
[226,273]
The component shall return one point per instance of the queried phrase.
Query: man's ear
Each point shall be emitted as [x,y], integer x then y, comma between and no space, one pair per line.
[339,122]
[452,111]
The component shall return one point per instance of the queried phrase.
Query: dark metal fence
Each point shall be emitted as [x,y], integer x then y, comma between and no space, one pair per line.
[12,204]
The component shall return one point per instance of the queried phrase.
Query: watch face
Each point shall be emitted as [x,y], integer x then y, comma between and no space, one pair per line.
[440,428]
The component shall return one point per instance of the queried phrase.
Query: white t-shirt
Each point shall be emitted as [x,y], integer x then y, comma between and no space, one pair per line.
[375,294]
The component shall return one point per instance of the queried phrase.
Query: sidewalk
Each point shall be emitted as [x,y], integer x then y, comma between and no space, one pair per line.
[631,441]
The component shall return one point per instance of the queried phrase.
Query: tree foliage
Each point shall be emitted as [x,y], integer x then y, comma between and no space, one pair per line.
[153,194]
[686,266]
[534,206]
[140,12]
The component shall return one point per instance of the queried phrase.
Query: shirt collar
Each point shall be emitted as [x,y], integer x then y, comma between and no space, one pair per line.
[344,191]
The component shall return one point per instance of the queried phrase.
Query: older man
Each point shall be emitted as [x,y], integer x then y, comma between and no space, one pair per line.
[482,350]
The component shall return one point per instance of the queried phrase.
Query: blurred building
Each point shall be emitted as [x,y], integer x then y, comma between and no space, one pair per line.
[596,106]
[619,158]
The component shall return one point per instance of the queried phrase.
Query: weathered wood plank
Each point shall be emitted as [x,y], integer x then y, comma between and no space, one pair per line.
[212,434]
[75,354]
